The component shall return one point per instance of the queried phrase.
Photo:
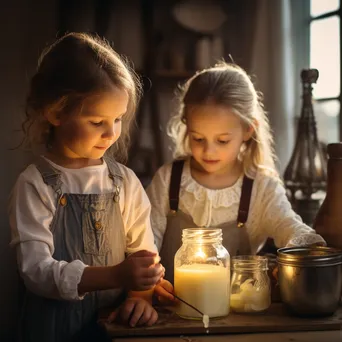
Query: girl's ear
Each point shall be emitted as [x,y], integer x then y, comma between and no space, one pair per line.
[250,131]
[53,117]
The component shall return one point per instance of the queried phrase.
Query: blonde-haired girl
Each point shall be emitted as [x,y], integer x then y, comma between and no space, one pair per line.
[224,174]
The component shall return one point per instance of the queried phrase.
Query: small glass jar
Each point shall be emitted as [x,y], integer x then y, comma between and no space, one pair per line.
[202,274]
[250,285]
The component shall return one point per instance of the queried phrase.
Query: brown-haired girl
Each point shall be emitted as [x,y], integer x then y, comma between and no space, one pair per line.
[80,220]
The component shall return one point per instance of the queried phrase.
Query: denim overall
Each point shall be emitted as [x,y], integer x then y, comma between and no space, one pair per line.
[87,227]
[235,237]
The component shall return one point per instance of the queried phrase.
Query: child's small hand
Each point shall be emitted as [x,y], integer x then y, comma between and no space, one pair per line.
[135,312]
[318,244]
[164,291]
[275,273]
[140,271]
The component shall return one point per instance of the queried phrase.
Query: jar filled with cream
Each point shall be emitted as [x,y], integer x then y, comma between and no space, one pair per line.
[202,274]
[250,285]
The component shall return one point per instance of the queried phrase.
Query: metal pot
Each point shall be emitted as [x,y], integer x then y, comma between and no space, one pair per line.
[310,279]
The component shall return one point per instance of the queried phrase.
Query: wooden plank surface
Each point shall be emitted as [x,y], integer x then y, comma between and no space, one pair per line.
[276,319]
[309,336]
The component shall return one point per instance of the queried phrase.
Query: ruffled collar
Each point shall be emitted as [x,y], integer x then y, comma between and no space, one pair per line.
[218,197]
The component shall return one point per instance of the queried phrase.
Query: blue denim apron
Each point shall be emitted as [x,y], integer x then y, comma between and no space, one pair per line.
[87,227]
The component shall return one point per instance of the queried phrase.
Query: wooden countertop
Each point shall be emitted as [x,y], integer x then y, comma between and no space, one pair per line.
[311,336]
[172,328]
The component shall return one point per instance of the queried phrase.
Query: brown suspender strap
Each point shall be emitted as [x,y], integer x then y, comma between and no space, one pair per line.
[245,200]
[176,176]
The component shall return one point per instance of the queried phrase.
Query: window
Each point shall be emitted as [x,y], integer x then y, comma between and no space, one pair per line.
[325,55]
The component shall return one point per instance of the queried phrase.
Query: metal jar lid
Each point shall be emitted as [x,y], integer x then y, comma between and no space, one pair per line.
[309,256]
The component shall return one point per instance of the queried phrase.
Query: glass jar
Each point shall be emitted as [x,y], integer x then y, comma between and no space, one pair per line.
[250,286]
[202,274]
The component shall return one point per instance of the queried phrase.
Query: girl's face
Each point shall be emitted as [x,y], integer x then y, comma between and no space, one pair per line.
[215,136]
[89,134]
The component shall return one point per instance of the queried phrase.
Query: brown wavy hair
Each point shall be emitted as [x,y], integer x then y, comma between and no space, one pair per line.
[74,68]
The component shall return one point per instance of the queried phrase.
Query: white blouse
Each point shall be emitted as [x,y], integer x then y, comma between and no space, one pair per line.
[32,207]
[270,213]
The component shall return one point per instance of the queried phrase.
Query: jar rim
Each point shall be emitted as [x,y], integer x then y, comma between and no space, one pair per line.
[202,235]
[202,230]
[250,262]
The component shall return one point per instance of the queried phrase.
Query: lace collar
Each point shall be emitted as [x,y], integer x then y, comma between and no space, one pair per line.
[218,197]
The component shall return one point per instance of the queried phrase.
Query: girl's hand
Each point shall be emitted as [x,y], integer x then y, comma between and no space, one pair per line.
[135,312]
[318,244]
[275,273]
[141,271]
[164,291]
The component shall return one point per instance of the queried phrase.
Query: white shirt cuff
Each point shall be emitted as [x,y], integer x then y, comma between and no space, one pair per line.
[69,280]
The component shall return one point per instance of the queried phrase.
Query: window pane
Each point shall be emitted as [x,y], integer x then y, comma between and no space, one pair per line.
[319,7]
[325,55]
[327,117]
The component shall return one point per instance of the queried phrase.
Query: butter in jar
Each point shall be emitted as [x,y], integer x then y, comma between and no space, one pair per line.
[250,284]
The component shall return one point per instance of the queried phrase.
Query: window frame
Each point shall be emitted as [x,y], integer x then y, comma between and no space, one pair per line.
[326,99]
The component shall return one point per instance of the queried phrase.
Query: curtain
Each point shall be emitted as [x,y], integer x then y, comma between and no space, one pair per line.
[277,53]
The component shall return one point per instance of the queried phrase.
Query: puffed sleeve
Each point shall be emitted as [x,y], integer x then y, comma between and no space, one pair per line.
[31,210]
[280,222]
[158,193]
[136,214]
